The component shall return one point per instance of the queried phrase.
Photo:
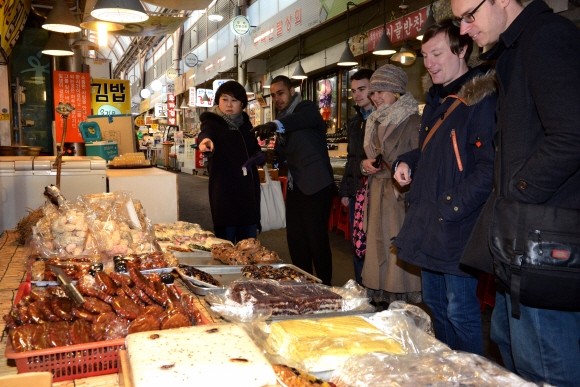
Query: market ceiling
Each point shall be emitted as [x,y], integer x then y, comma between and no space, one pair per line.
[165,17]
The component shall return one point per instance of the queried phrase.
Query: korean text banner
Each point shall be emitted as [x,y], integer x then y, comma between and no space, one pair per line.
[13,15]
[110,97]
[75,89]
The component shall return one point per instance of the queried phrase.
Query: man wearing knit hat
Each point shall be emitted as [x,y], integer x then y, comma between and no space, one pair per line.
[392,128]
[451,171]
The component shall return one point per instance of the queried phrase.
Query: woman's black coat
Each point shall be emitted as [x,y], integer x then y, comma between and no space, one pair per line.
[234,198]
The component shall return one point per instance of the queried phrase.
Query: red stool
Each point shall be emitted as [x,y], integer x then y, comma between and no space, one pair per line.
[283,182]
[343,223]
[486,290]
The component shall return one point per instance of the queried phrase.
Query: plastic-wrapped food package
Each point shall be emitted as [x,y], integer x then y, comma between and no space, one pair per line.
[63,232]
[321,344]
[113,237]
[255,300]
[447,368]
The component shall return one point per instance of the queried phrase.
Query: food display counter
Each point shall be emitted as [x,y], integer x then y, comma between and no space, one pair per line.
[147,328]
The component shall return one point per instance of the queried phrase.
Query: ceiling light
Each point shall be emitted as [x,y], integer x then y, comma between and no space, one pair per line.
[57,46]
[102,36]
[61,19]
[268,81]
[156,85]
[406,55]
[90,23]
[384,46]
[120,11]
[215,17]
[428,23]
[299,72]
[84,43]
[347,58]
[248,88]
[145,93]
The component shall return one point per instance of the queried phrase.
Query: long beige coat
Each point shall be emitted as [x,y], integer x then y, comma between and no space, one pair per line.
[384,214]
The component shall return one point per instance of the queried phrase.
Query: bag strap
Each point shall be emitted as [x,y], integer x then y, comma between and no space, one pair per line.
[266,174]
[440,121]
[516,263]
[386,165]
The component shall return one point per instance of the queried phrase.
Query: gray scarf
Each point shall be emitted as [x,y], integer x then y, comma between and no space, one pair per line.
[296,99]
[234,121]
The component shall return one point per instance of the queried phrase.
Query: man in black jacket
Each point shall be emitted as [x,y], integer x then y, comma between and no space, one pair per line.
[302,144]
[352,178]
[537,170]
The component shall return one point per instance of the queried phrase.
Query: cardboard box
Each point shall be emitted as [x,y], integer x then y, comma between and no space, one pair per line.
[119,128]
[30,379]
[273,174]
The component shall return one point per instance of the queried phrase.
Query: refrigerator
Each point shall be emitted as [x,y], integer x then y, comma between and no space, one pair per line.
[23,178]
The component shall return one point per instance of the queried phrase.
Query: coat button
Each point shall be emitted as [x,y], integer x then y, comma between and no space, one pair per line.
[441,219]
[448,198]
[408,204]
[455,208]
[522,184]
[426,128]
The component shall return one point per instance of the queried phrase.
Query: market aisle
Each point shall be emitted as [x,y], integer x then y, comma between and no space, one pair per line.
[194,207]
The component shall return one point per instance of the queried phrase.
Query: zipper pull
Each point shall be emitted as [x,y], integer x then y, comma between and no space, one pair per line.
[540,250]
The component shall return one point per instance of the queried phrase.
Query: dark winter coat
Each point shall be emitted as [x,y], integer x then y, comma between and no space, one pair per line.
[443,202]
[234,198]
[538,127]
[352,177]
[303,146]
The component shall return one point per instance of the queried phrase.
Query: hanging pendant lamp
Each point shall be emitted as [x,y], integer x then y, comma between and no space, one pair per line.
[84,43]
[57,45]
[384,46]
[428,23]
[61,19]
[406,55]
[120,11]
[268,81]
[347,57]
[299,72]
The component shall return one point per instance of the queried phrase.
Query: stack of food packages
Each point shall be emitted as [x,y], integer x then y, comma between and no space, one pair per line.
[97,223]
[185,237]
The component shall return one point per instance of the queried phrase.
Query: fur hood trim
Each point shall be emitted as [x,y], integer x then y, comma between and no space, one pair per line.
[474,90]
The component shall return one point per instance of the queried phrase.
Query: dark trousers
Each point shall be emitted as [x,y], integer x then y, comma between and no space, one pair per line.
[235,234]
[307,230]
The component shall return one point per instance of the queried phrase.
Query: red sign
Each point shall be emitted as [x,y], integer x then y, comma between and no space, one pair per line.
[74,88]
[403,28]
[171,117]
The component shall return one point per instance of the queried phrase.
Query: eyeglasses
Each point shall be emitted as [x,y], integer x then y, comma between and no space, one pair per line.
[467,17]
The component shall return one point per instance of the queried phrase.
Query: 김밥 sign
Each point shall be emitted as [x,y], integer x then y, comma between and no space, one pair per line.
[110,97]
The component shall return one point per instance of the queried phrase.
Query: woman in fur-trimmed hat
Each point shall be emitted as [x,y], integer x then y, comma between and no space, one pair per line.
[392,129]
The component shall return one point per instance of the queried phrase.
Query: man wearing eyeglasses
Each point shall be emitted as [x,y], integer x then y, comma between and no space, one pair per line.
[537,171]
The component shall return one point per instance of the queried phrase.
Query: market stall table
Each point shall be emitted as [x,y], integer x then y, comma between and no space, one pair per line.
[13,264]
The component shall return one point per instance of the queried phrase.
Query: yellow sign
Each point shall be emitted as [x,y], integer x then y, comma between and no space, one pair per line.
[4,117]
[154,126]
[139,121]
[110,97]
[13,15]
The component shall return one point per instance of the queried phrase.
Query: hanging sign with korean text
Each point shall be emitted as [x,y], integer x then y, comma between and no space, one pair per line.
[75,89]
[404,28]
[171,120]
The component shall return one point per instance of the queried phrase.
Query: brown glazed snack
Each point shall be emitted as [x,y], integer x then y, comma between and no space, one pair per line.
[286,299]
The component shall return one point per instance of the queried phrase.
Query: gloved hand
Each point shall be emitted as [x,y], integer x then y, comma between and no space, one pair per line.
[264,131]
[272,156]
[258,159]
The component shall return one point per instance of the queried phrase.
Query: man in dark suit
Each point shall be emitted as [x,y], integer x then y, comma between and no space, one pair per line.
[302,144]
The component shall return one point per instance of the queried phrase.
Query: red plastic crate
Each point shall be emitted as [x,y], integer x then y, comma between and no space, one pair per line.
[73,361]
